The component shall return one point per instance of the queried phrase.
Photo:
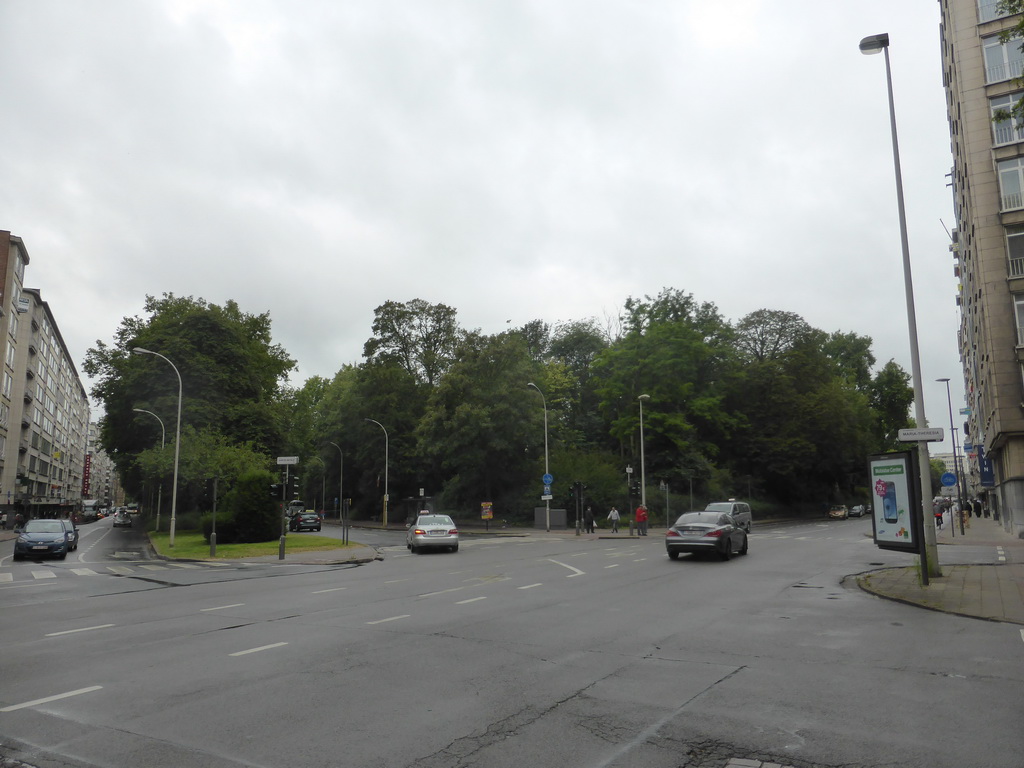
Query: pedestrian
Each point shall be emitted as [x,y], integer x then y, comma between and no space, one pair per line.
[3,521]
[984,508]
[641,520]
[19,520]
[588,520]
[613,516]
[976,506]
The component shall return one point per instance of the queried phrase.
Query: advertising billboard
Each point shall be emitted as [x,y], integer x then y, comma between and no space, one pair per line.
[896,508]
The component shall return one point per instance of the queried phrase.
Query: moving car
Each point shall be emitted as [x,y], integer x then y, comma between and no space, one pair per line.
[432,531]
[72,532]
[838,512]
[42,537]
[306,519]
[706,532]
[738,509]
[857,511]
[122,518]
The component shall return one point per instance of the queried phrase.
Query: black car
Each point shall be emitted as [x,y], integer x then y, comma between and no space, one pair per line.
[303,521]
[713,532]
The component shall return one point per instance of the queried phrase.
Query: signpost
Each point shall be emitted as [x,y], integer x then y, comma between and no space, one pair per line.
[926,435]
[287,462]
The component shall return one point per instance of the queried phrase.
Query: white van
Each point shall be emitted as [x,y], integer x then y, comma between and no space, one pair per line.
[739,510]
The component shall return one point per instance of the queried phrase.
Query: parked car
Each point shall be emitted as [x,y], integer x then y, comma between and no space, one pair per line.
[738,509]
[838,512]
[42,537]
[857,510]
[122,519]
[72,532]
[432,532]
[307,519]
[716,533]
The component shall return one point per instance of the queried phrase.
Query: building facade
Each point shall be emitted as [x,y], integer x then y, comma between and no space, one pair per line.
[981,77]
[44,408]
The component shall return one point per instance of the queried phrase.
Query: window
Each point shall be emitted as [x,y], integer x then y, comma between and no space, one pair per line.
[1018,309]
[8,382]
[1006,131]
[988,10]
[1015,250]
[1002,60]
[1011,186]
[10,355]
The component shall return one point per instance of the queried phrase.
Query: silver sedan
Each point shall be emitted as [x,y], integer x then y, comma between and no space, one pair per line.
[432,532]
[712,532]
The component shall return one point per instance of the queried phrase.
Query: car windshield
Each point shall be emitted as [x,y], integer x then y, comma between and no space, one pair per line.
[724,506]
[434,520]
[44,526]
[699,518]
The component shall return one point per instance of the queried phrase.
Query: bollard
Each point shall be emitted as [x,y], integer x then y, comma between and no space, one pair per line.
[630,527]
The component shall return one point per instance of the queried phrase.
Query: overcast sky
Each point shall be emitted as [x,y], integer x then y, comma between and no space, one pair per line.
[514,159]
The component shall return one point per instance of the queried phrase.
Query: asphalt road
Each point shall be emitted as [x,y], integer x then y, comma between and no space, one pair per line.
[540,651]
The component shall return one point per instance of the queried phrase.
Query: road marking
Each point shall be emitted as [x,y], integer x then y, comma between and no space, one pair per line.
[578,571]
[529,586]
[6,577]
[220,565]
[474,599]
[1001,556]
[333,589]
[154,567]
[48,699]
[613,565]
[393,618]
[395,581]
[222,607]
[1022,634]
[257,650]
[120,569]
[44,575]
[83,629]
[184,565]
[639,559]
[84,572]
[441,592]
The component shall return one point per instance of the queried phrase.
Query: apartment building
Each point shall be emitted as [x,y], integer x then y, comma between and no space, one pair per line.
[44,408]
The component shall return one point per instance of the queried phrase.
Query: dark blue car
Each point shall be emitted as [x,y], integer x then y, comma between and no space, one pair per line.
[41,538]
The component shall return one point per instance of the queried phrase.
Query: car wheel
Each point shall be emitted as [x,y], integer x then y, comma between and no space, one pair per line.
[17,556]
[318,528]
[673,555]
[455,548]
[62,555]
[747,528]
[726,554]
[743,549]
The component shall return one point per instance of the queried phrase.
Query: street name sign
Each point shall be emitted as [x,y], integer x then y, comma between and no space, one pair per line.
[925,435]
[287,460]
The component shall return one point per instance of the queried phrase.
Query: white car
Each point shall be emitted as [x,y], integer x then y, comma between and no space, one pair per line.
[738,509]
[432,532]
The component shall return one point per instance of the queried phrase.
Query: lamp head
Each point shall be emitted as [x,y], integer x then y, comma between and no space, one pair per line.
[141,351]
[874,44]
[945,380]
[644,397]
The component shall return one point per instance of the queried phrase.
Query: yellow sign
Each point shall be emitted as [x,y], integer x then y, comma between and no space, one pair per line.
[486,510]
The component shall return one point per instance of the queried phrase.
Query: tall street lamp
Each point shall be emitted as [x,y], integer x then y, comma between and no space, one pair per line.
[177,440]
[341,496]
[930,554]
[160,487]
[643,476]
[384,519]
[547,470]
[956,463]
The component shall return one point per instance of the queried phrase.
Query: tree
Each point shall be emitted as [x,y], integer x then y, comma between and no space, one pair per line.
[418,336]
[230,370]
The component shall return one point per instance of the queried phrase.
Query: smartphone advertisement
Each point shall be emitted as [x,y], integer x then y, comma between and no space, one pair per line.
[896,510]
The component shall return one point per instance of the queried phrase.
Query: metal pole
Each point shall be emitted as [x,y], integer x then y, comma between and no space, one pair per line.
[213,527]
[341,496]
[547,471]
[643,476]
[284,507]
[930,553]
[160,488]
[384,520]
[177,441]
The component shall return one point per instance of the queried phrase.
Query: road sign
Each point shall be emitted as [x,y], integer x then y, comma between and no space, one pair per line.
[948,479]
[547,479]
[547,490]
[287,460]
[546,498]
[927,435]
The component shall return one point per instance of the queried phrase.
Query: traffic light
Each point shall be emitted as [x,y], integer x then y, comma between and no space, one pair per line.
[275,490]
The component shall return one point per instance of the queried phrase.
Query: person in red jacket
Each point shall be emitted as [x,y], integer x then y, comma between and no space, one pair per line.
[641,520]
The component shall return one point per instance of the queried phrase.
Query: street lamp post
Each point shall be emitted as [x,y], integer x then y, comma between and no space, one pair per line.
[341,496]
[643,476]
[930,554]
[956,463]
[160,487]
[177,441]
[384,519]
[547,471]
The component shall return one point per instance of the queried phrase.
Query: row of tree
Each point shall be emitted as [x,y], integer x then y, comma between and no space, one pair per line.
[766,407]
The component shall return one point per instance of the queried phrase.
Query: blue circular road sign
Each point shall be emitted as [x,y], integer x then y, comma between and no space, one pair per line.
[948,479]
[547,479]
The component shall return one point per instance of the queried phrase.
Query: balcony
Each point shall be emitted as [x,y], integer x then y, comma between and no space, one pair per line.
[28,397]
[1007,70]
[988,10]
[1017,267]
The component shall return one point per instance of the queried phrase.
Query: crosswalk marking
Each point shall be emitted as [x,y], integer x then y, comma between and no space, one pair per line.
[44,575]
[120,569]
[5,577]
[155,567]
[84,572]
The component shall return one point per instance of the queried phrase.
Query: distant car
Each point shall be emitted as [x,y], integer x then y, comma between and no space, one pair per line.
[738,509]
[72,532]
[838,512]
[42,537]
[432,532]
[122,519]
[717,533]
[307,519]
[857,511]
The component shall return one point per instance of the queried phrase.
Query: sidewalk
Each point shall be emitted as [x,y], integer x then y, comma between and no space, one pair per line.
[992,591]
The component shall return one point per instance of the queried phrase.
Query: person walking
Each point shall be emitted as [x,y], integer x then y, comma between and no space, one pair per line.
[641,520]
[613,516]
[3,521]
[588,520]
[19,520]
